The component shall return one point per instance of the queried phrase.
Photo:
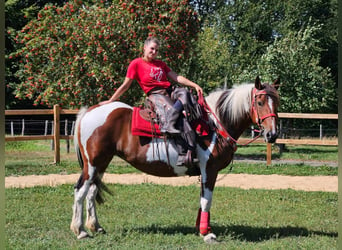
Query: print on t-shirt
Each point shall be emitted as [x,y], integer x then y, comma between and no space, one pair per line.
[156,73]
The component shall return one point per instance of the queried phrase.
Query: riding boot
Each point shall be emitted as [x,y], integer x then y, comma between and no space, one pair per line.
[171,117]
[190,158]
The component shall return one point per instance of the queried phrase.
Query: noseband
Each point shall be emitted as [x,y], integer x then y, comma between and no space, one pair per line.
[257,93]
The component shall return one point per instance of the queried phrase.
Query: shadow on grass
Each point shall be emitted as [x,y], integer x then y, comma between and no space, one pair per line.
[240,232]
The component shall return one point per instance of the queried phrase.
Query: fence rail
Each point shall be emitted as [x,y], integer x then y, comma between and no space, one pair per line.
[56,136]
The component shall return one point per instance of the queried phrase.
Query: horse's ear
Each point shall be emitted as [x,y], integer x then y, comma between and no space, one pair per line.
[258,84]
[276,83]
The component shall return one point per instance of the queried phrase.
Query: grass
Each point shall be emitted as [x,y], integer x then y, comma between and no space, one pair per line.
[36,157]
[291,152]
[151,216]
[39,218]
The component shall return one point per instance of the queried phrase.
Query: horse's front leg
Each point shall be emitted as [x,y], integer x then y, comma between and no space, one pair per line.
[92,221]
[203,217]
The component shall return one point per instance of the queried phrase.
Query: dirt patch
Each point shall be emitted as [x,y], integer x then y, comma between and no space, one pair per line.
[244,181]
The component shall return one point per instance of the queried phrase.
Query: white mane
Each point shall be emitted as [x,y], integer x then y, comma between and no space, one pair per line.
[232,104]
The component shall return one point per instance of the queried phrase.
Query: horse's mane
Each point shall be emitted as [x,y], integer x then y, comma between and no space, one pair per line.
[233,104]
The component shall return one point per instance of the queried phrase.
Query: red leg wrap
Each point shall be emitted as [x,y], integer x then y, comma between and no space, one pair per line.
[203,222]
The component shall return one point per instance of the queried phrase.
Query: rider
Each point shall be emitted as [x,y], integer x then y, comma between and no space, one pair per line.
[152,76]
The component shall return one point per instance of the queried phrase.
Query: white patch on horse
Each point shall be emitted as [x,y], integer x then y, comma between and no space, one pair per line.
[157,152]
[274,125]
[206,200]
[96,118]
[204,154]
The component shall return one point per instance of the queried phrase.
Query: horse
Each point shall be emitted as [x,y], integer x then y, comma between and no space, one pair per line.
[103,131]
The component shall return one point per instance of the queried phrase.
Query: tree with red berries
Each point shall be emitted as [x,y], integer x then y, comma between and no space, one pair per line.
[78,55]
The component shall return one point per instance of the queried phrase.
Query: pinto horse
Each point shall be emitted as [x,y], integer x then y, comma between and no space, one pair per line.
[104,131]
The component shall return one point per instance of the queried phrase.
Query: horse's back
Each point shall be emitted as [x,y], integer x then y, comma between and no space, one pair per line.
[96,118]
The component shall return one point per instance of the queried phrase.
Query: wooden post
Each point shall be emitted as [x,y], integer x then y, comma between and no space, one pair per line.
[56,134]
[23,127]
[66,133]
[52,133]
[269,154]
[46,127]
[12,129]
[73,128]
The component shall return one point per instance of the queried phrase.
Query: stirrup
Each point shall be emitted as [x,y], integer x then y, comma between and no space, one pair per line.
[187,160]
[171,131]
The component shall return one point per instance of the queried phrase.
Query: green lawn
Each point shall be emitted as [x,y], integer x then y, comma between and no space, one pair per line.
[151,216]
[36,157]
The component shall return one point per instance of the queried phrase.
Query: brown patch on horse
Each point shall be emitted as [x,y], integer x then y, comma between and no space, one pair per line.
[273,93]
[114,138]
[105,141]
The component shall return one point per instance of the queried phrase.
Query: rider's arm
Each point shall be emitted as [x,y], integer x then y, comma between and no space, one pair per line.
[184,81]
[122,89]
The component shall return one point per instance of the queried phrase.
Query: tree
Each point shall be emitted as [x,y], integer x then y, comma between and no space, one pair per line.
[211,65]
[78,55]
[18,13]
[306,86]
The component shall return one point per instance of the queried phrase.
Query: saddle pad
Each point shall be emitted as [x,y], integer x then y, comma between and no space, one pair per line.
[141,127]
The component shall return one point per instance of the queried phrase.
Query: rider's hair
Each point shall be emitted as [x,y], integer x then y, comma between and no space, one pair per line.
[152,39]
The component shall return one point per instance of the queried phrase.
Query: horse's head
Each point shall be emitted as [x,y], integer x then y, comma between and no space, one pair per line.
[265,102]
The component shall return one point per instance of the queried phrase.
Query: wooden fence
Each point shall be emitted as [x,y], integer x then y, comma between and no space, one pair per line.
[317,142]
[56,136]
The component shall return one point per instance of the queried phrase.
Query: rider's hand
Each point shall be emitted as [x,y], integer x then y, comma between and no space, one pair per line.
[199,90]
[105,102]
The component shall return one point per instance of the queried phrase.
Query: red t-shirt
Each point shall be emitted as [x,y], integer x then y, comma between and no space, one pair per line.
[149,74]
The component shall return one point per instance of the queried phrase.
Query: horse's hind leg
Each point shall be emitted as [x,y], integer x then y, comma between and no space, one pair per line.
[80,193]
[92,222]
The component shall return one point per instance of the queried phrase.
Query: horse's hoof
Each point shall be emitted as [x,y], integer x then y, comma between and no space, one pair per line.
[82,235]
[101,230]
[210,238]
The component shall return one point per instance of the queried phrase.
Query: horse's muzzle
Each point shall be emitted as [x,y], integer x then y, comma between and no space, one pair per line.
[271,136]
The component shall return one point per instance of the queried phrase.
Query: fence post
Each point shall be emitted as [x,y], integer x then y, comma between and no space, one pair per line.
[52,133]
[66,133]
[56,134]
[22,126]
[269,154]
[12,129]
[46,127]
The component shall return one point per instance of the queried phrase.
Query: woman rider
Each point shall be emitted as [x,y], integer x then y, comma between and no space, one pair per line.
[152,76]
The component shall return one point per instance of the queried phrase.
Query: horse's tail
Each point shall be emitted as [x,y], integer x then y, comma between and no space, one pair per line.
[80,114]
[101,188]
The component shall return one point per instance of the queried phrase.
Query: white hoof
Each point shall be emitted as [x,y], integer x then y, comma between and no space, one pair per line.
[101,230]
[210,238]
[82,235]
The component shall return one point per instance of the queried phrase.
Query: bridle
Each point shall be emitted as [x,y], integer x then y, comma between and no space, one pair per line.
[254,110]
[224,133]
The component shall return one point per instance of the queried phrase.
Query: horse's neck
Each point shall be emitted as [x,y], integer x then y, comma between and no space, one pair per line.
[236,130]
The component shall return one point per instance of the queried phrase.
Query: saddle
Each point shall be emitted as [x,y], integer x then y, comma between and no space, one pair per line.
[146,120]
[144,123]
